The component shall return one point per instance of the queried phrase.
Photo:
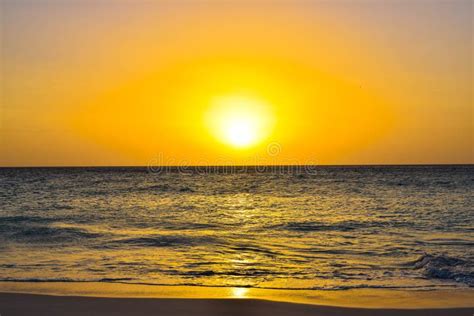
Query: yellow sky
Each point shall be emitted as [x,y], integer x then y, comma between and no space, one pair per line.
[227,82]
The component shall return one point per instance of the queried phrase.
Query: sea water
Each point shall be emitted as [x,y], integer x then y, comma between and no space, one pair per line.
[334,228]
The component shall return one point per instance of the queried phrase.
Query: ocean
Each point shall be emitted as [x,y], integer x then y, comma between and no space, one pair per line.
[321,228]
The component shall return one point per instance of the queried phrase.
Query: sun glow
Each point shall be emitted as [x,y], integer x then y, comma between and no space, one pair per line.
[240,121]
[239,292]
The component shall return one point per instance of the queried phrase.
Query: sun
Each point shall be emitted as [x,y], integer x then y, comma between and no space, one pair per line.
[240,122]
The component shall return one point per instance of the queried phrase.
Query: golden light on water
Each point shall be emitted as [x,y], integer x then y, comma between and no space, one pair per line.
[239,292]
[240,121]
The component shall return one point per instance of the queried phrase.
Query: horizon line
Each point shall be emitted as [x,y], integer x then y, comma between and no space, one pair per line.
[247,166]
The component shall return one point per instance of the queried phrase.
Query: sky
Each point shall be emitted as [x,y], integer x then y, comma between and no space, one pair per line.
[120,82]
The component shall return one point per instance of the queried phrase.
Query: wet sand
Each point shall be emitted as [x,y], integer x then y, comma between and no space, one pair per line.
[96,298]
[12,304]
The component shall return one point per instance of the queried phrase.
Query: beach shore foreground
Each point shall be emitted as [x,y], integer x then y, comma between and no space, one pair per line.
[95,298]
[12,304]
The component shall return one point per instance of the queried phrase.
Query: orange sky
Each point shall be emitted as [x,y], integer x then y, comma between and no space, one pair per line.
[329,82]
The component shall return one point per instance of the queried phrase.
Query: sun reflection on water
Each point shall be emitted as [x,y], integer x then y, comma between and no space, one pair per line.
[239,292]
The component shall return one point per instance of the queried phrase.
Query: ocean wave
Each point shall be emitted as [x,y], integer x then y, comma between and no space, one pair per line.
[164,241]
[253,249]
[341,227]
[132,281]
[188,226]
[338,226]
[66,280]
[48,234]
[447,242]
[25,219]
[446,268]
[166,188]
[250,272]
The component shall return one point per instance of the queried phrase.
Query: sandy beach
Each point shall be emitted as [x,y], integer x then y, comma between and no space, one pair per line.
[90,298]
[27,304]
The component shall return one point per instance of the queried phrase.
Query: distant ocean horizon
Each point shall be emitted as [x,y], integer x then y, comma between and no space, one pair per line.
[177,167]
[321,227]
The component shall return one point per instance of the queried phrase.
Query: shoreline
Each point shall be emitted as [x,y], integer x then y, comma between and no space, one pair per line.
[352,298]
[32,304]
